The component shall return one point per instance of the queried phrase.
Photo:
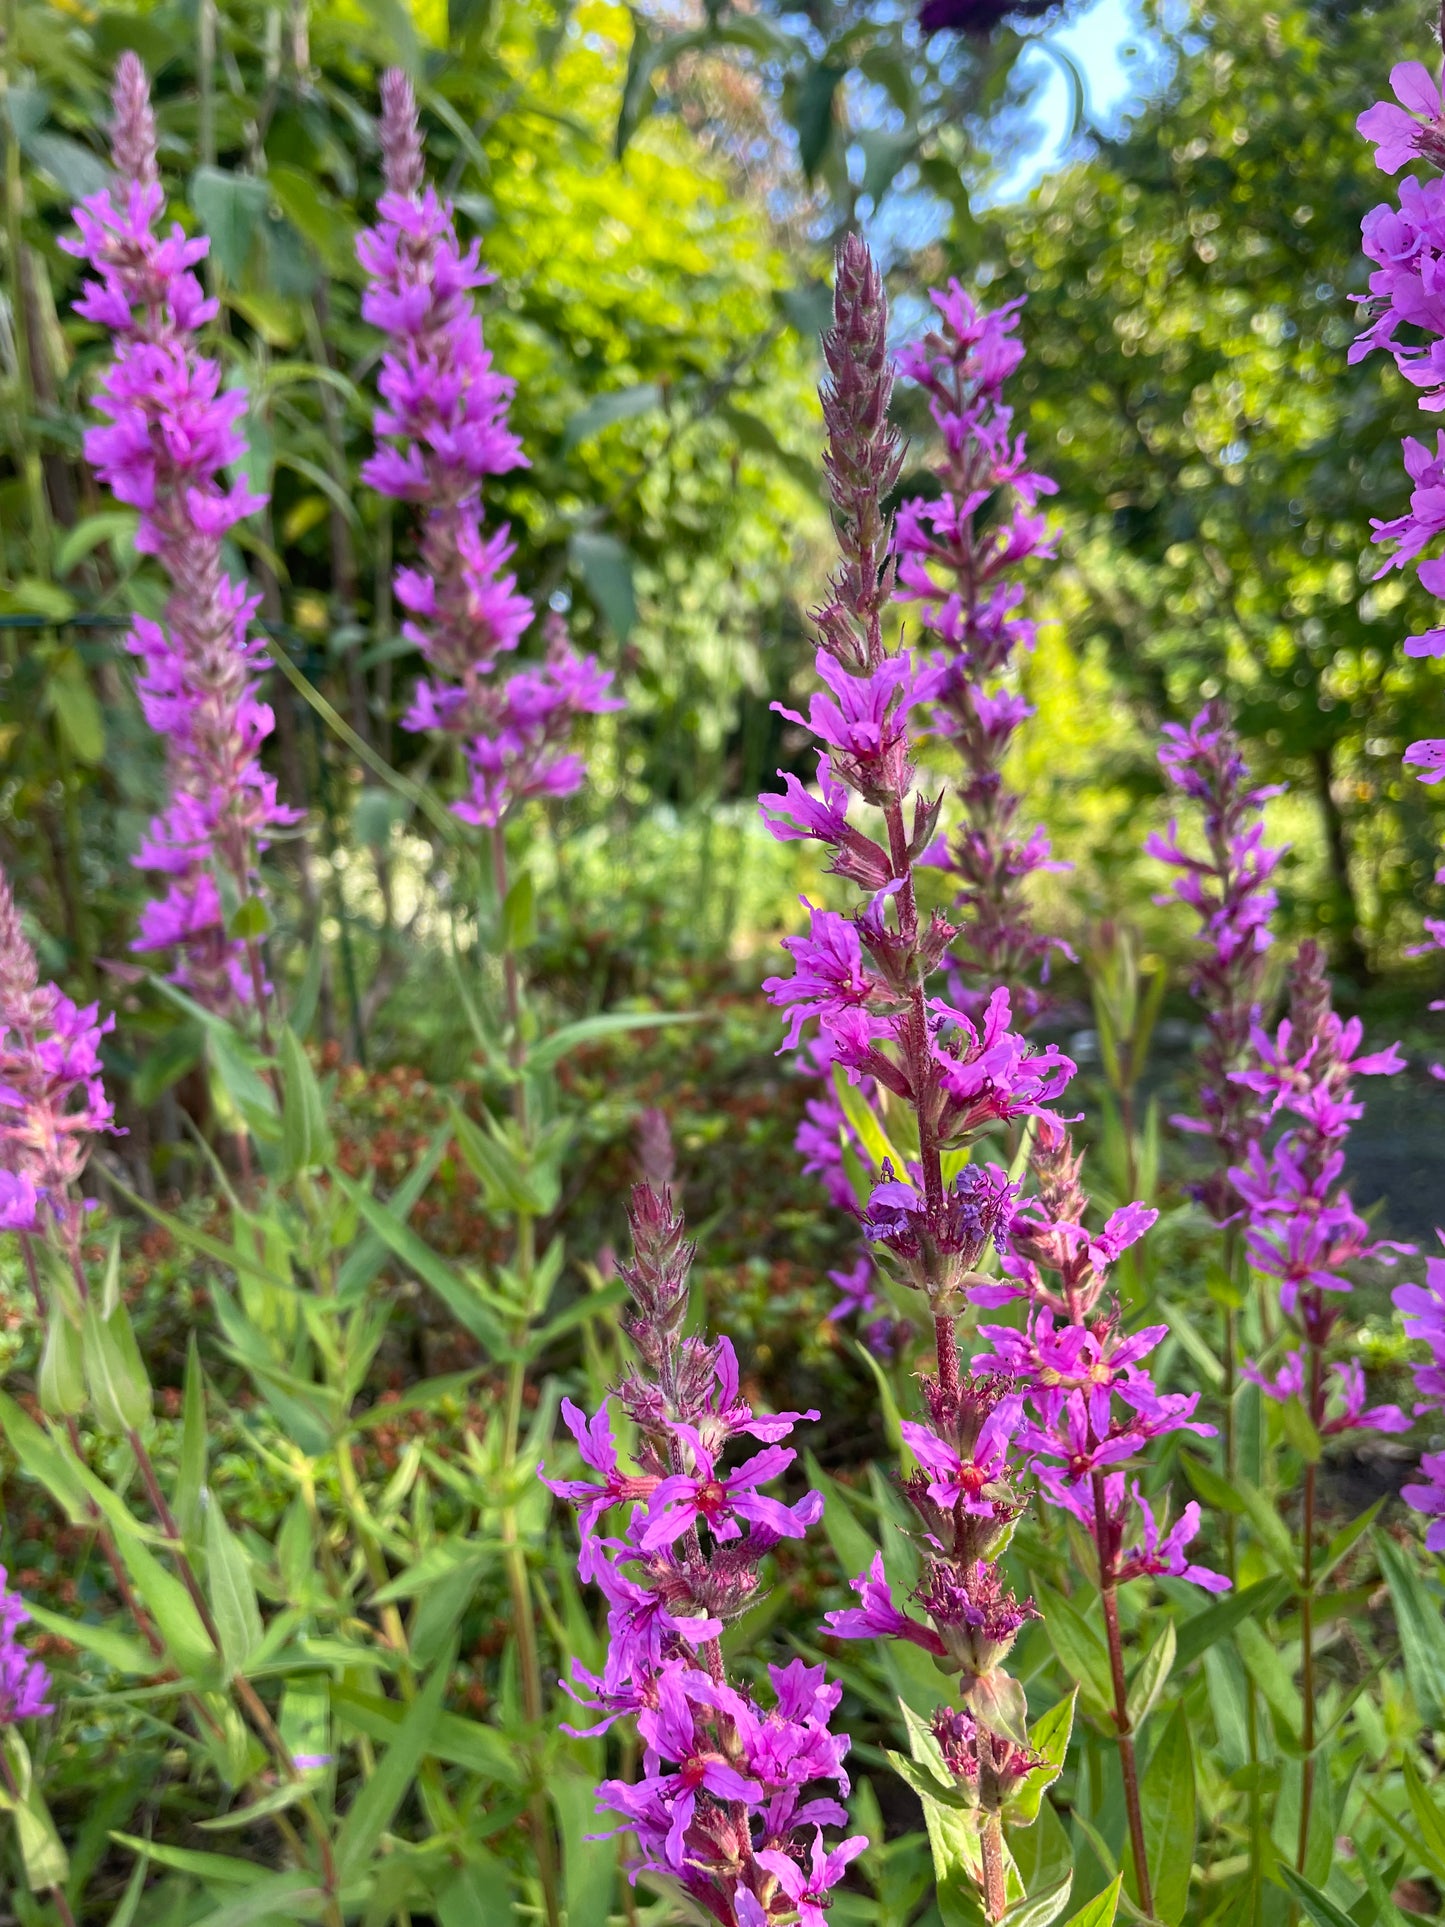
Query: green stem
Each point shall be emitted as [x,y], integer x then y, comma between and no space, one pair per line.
[514,1553]
[1307,1615]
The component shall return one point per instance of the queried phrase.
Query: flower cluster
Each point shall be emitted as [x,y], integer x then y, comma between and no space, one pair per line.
[959,556]
[1423,1311]
[24,1682]
[52,1100]
[1302,1228]
[861,977]
[172,436]
[1406,242]
[1230,892]
[721,1805]
[1090,1403]
[442,431]
[965,1495]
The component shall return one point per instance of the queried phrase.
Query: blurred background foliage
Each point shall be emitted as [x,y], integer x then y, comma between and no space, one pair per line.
[657,189]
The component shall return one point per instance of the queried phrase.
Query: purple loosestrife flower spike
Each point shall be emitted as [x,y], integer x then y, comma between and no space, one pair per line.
[1229,890]
[1406,242]
[52,1099]
[442,431]
[959,557]
[734,1790]
[861,977]
[24,1681]
[1302,1228]
[171,436]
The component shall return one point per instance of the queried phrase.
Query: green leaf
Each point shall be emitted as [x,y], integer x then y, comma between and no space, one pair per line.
[375,1807]
[118,1649]
[173,1610]
[1273,1533]
[324,222]
[1166,1797]
[1100,1911]
[1079,1648]
[221,1869]
[1418,1616]
[73,168]
[454,1740]
[449,1285]
[589,1865]
[1269,1674]
[231,1591]
[1211,1486]
[41,1853]
[605,566]
[77,710]
[306,1141]
[1301,1431]
[519,914]
[603,411]
[235,1066]
[611,1023]
[61,1380]
[231,208]
[505,1185]
[997,1701]
[368,1254]
[191,1466]
[865,1124]
[116,526]
[1428,1816]
[1202,1630]
[812,113]
[1320,1908]
[1049,1738]
[1344,1541]
[852,1546]
[114,1370]
[1150,1677]
[292,1895]
[1040,1909]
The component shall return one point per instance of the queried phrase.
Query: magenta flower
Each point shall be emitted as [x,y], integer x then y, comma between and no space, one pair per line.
[24,1681]
[1428,1496]
[1416,127]
[973,1481]
[808,1890]
[52,1097]
[172,437]
[958,557]
[442,432]
[1228,888]
[878,1617]
[724,1777]
[719,1500]
[1349,1413]
[1423,1310]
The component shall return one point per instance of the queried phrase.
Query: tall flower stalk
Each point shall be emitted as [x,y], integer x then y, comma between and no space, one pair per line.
[1090,1406]
[1304,1232]
[1228,887]
[960,557]
[863,978]
[442,433]
[721,1807]
[171,436]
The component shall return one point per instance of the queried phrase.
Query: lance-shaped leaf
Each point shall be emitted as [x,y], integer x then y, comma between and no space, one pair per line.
[41,1853]
[1040,1909]
[115,1373]
[1100,1911]
[1048,1737]
[306,1141]
[231,1591]
[375,1806]
[1150,1677]
[1418,1617]
[1166,1797]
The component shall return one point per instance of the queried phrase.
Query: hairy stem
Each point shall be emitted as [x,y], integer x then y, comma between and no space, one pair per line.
[995,1879]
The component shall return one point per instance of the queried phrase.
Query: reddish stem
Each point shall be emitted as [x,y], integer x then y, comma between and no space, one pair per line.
[1129,1765]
